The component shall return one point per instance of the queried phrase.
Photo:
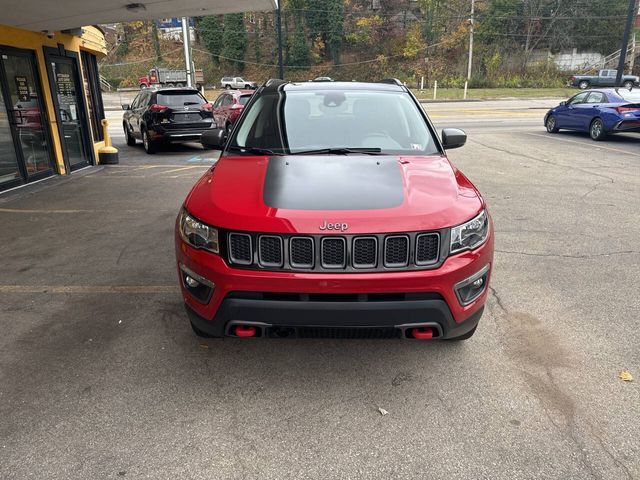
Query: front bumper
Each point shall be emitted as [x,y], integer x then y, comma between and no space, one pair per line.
[296,300]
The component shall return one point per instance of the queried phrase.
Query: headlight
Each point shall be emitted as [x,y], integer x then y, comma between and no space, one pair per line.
[198,234]
[470,235]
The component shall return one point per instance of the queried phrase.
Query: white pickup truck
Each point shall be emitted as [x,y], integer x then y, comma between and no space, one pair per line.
[236,82]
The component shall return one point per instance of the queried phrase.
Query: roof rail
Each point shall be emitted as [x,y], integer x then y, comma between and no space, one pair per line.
[274,83]
[392,81]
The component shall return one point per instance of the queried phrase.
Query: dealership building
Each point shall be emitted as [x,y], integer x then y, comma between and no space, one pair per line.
[50,98]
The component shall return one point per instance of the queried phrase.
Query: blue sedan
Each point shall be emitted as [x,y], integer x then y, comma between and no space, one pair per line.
[599,112]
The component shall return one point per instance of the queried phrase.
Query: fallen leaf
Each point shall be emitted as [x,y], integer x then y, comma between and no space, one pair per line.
[625,376]
[382,411]
[204,345]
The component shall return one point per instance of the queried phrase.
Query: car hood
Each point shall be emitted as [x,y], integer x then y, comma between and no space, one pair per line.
[298,194]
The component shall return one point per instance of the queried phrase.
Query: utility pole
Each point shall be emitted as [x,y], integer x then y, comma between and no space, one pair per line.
[471,20]
[631,13]
[186,40]
[279,27]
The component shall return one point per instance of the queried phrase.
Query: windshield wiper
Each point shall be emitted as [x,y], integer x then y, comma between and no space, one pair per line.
[341,151]
[254,150]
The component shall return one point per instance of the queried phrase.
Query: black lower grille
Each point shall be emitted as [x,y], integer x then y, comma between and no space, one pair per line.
[240,248]
[359,253]
[334,252]
[301,255]
[347,332]
[396,251]
[427,248]
[365,250]
[270,251]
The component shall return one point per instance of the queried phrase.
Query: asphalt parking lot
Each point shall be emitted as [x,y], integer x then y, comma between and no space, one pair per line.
[101,376]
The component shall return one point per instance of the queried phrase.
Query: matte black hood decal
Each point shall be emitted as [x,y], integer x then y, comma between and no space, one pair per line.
[336,182]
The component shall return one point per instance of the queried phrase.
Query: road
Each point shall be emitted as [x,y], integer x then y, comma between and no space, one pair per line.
[100,376]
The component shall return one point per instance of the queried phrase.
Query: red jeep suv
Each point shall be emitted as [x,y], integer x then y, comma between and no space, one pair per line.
[334,212]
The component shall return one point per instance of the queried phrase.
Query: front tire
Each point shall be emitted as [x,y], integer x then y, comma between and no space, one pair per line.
[552,124]
[149,145]
[628,85]
[228,87]
[583,85]
[597,131]
[131,140]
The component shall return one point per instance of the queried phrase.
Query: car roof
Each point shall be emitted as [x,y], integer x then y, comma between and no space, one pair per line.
[237,92]
[386,86]
[173,89]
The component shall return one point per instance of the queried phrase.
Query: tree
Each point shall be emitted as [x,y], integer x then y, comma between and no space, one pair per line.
[325,18]
[156,40]
[234,40]
[211,35]
[299,54]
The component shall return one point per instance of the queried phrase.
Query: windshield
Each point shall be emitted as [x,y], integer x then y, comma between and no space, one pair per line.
[180,98]
[629,95]
[382,121]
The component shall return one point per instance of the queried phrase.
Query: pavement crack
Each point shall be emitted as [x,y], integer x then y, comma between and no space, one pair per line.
[561,255]
[613,458]
[548,162]
[495,295]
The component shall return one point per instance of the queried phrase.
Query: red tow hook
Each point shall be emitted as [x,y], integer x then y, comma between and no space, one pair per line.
[242,331]
[422,333]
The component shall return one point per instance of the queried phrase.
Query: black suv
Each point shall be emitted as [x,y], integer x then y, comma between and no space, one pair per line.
[166,115]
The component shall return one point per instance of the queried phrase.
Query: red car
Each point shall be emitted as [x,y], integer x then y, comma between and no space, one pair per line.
[228,107]
[334,212]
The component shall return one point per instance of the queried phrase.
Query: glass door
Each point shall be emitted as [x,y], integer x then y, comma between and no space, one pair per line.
[10,174]
[70,111]
[25,153]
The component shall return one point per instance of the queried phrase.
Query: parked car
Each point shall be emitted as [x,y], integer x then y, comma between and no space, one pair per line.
[166,115]
[169,78]
[323,79]
[228,107]
[321,220]
[236,82]
[605,78]
[600,112]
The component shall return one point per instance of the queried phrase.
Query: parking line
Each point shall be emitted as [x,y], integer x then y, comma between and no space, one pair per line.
[178,169]
[89,289]
[586,145]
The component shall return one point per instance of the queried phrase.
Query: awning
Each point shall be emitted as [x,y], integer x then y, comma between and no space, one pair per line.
[52,15]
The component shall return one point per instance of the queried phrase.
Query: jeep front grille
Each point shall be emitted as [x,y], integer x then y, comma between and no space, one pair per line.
[240,251]
[336,253]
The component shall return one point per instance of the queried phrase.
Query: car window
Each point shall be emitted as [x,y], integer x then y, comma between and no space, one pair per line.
[629,95]
[318,119]
[218,101]
[180,98]
[578,98]
[244,99]
[142,100]
[228,100]
[596,97]
[136,101]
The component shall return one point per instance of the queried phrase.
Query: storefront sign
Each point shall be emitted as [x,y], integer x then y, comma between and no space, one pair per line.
[23,88]
[64,84]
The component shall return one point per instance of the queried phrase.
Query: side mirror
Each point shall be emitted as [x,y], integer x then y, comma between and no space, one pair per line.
[126,106]
[562,104]
[214,139]
[453,138]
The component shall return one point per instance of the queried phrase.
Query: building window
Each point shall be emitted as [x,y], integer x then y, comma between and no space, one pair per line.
[93,96]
